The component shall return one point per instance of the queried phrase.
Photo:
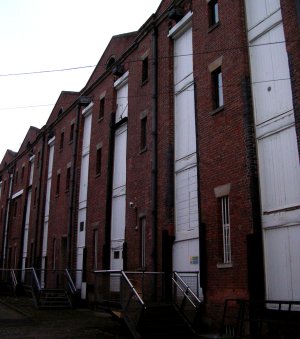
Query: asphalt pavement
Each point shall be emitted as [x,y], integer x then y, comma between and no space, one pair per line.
[20,319]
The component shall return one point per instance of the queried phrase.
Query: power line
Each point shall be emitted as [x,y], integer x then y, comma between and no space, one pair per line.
[161,93]
[46,71]
[139,60]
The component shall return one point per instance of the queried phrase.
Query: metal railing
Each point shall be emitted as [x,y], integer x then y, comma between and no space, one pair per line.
[9,276]
[70,284]
[185,299]
[261,318]
[132,304]
[107,284]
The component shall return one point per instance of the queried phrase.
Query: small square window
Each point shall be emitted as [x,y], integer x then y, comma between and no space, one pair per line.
[145,70]
[81,226]
[116,254]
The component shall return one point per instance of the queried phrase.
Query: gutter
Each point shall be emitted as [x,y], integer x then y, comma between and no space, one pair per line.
[154,153]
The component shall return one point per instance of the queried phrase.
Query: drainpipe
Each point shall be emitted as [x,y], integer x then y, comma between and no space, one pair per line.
[202,233]
[37,249]
[108,207]
[82,102]
[154,153]
[5,242]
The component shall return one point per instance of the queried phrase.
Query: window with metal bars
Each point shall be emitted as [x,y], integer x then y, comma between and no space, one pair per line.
[226,230]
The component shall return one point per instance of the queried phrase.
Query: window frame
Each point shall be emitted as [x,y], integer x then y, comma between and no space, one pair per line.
[98,160]
[217,88]
[101,108]
[58,177]
[145,69]
[213,13]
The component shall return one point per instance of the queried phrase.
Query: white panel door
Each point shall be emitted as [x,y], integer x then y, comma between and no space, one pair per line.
[186,201]
[118,217]
[270,76]
[258,10]
[279,168]
[84,174]
[185,130]
[122,103]
[186,245]
[183,58]
[278,264]
[119,174]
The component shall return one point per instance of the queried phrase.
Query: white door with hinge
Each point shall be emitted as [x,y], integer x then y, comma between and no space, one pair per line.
[279,168]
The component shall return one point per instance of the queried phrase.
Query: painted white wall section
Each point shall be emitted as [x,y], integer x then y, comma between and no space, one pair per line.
[122,97]
[118,217]
[83,193]
[7,221]
[279,168]
[51,144]
[27,219]
[186,245]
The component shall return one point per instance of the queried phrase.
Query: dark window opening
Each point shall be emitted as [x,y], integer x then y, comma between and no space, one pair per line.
[22,173]
[213,8]
[143,133]
[72,133]
[101,108]
[68,178]
[58,184]
[145,70]
[61,143]
[81,226]
[217,88]
[98,161]
[110,62]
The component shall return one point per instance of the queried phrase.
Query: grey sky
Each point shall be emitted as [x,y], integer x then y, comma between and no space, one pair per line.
[53,34]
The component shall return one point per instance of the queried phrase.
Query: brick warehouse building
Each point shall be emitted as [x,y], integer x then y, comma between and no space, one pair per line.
[181,153]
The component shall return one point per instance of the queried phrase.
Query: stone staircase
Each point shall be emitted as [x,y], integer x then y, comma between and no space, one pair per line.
[53,298]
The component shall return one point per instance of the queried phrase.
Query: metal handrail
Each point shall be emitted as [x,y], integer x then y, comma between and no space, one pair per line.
[38,285]
[70,280]
[187,289]
[132,288]
[14,278]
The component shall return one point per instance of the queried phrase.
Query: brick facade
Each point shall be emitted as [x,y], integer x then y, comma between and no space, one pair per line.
[226,157]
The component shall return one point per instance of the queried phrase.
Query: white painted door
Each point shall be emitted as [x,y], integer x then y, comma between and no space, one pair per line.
[119,199]
[51,144]
[279,169]
[83,194]
[186,245]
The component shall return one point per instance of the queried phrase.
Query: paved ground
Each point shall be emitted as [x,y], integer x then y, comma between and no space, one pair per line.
[19,319]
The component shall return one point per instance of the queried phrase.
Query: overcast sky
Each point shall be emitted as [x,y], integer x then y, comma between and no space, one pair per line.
[38,35]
